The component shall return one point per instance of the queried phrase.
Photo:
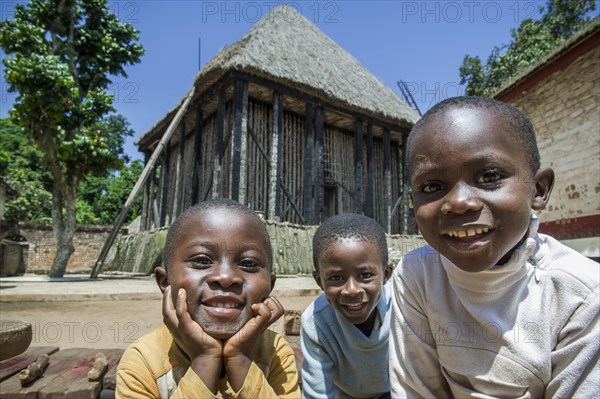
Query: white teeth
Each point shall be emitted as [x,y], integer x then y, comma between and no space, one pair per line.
[355,307]
[225,305]
[468,232]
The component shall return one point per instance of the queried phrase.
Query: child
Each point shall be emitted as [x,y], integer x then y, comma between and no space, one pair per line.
[344,334]
[216,283]
[491,308]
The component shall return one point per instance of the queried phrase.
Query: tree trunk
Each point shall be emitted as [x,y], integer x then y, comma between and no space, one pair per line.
[64,210]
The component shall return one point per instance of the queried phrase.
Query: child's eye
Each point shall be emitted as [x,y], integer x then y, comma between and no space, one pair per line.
[366,276]
[335,278]
[430,187]
[489,176]
[201,261]
[249,264]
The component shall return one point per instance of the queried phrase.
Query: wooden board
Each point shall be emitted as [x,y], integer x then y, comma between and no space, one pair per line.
[110,378]
[12,366]
[65,377]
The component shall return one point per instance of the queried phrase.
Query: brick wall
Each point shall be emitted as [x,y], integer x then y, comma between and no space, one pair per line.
[88,242]
[564,109]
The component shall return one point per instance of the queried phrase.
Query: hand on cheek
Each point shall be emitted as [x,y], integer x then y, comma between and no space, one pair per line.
[205,352]
[238,349]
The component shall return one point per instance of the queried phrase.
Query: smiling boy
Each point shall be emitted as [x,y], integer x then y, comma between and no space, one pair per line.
[490,308]
[216,284]
[344,332]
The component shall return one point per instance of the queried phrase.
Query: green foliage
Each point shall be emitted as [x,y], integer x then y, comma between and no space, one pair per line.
[64,52]
[21,168]
[61,55]
[100,197]
[107,195]
[533,39]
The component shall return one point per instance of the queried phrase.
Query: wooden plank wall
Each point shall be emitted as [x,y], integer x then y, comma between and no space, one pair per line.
[292,166]
[259,144]
[338,171]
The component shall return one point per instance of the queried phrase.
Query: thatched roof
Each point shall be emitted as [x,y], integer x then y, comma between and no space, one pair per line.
[588,30]
[287,48]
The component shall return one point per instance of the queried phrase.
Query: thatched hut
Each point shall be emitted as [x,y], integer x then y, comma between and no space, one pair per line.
[286,121]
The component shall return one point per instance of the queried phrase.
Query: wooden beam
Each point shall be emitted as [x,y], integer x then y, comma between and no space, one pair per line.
[179,172]
[320,183]
[387,181]
[358,166]
[240,138]
[146,200]
[97,268]
[275,164]
[197,160]
[408,225]
[370,192]
[218,153]
[317,101]
[308,204]
[164,186]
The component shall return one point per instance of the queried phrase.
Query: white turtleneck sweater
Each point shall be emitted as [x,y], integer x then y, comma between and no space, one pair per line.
[526,329]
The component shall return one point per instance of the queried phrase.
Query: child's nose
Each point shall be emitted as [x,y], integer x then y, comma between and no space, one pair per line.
[226,275]
[352,288]
[460,199]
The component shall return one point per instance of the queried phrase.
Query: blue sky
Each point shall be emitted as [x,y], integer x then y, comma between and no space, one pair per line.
[420,42]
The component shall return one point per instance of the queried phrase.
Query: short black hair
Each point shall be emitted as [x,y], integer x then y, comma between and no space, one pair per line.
[523,129]
[217,203]
[349,225]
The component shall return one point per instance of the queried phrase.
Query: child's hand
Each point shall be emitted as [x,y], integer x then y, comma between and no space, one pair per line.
[204,351]
[238,349]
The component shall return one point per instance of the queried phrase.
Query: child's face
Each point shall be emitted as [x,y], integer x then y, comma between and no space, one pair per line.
[472,187]
[221,259]
[351,273]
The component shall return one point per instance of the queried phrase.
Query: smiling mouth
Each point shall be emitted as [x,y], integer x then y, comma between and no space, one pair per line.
[469,232]
[355,307]
[225,305]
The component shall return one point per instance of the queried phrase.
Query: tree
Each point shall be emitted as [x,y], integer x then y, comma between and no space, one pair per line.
[104,197]
[20,167]
[62,54]
[533,39]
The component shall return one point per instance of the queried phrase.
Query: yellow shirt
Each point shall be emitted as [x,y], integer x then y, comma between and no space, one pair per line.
[155,367]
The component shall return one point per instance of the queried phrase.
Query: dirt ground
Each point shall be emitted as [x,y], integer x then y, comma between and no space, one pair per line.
[105,324]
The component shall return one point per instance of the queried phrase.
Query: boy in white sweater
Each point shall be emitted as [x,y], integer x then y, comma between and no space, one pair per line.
[491,308]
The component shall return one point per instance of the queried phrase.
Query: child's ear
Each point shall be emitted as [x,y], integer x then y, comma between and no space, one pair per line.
[317,279]
[273,279]
[387,272]
[544,181]
[162,278]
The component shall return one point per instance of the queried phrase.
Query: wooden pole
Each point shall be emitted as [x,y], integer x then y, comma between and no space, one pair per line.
[140,182]
[308,204]
[275,166]
[218,160]
[387,181]
[164,189]
[146,200]
[197,163]
[240,137]
[179,172]
[358,166]
[320,183]
[409,226]
[370,192]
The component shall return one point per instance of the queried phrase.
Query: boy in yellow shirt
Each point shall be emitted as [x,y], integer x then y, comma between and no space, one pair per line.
[216,282]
